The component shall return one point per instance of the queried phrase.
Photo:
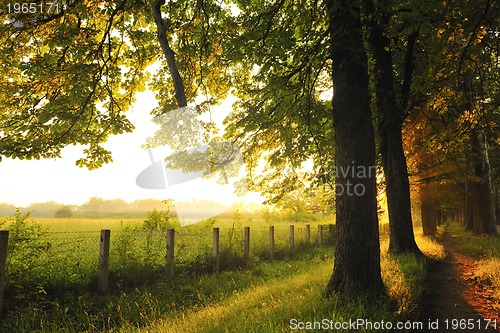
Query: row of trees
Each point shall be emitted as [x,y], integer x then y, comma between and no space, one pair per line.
[310,77]
[94,207]
[453,127]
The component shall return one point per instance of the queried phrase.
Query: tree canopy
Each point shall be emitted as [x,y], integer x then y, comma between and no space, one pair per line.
[70,73]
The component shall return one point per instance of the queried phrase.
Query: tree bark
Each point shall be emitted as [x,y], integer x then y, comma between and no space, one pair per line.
[497,203]
[427,210]
[470,206]
[484,221]
[356,269]
[390,119]
[180,94]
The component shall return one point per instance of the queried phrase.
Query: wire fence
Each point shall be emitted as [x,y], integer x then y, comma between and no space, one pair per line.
[57,262]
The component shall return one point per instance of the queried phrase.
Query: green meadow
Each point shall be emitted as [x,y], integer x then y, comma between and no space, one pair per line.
[53,263]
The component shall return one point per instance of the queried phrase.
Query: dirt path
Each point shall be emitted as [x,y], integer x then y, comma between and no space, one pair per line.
[455,300]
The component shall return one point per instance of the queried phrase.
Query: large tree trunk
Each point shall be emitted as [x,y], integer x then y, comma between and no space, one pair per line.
[484,219]
[390,120]
[356,269]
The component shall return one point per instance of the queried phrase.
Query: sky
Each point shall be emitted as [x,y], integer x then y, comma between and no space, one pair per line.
[23,182]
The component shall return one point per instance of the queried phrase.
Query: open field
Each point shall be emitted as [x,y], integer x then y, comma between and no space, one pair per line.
[86,225]
[57,281]
[58,284]
[267,295]
[55,254]
[223,221]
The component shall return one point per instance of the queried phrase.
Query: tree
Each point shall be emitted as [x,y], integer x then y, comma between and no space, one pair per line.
[306,200]
[162,219]
[282,60]
[390,118]
[44,209]
[94,206]
[461,51]
[63,212]
[277,56]
[357,251]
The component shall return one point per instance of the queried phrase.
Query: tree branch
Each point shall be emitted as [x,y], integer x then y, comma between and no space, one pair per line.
[408,69]
[180,94]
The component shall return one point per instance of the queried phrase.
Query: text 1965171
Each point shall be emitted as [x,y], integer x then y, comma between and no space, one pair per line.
[33,7]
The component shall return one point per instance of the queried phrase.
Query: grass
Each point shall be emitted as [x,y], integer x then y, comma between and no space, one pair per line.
[275,292]
[484,248]
[263,297]
[52,273]
[258,296]
[405,276]
[296,292]
[65,255]
[74,225]
[478,246]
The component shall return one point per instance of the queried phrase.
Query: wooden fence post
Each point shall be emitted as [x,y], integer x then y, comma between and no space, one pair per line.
[271,242]
[308,234]
[102,286]
[246,252]
[215,253]
[170,252]
[4,242]
[320,234]
[292,239]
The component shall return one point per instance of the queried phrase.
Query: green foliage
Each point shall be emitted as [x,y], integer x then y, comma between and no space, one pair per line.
[26,245]
[70,77]
[162,219]
[283,114]
[304,201]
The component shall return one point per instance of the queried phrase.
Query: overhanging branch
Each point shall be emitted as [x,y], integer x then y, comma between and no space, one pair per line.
[180,94]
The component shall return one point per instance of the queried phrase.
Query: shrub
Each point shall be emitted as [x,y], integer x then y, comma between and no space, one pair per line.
[26,246]
[161,219]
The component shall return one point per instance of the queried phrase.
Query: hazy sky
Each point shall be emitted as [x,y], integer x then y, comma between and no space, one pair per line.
[23,182]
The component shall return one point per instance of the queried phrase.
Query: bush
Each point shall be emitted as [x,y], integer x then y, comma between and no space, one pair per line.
[161,219]
[26,246]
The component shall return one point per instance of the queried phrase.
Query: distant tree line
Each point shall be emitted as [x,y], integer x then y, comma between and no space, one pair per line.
[95,207]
